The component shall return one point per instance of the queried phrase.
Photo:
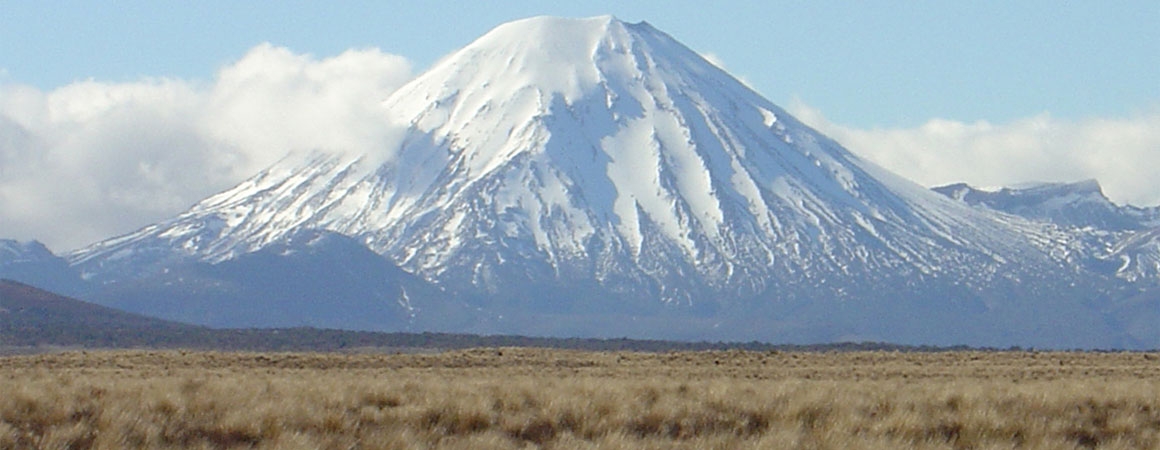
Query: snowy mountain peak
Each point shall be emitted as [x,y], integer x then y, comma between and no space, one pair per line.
[597,147]
[604,170]
[494,96]
[552,55]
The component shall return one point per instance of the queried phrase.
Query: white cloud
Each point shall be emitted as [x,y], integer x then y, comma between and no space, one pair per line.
[90,160]
[714,59]
[1122,154]
[275,100]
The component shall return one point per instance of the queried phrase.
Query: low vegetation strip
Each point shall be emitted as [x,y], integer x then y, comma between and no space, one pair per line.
[522,397]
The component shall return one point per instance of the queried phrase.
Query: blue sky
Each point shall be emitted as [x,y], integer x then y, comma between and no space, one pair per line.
[864,63]
[114,115]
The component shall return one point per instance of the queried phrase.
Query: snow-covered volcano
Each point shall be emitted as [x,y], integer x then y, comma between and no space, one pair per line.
[602,174]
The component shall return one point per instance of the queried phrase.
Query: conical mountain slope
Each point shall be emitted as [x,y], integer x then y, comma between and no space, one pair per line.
[594,170]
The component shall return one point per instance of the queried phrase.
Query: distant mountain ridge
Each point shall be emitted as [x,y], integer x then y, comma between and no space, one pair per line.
[1078,204]
[32,263]
[590,177]
[30,316]
[34,320]
[310,278]
[1115,239]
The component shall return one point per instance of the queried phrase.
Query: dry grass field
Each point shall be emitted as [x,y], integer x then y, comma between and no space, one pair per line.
[529,398]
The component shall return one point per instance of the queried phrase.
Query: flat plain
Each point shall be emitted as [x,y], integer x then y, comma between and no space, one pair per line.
[539,398]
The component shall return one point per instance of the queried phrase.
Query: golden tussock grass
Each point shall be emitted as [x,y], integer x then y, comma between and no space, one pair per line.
[529,398]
